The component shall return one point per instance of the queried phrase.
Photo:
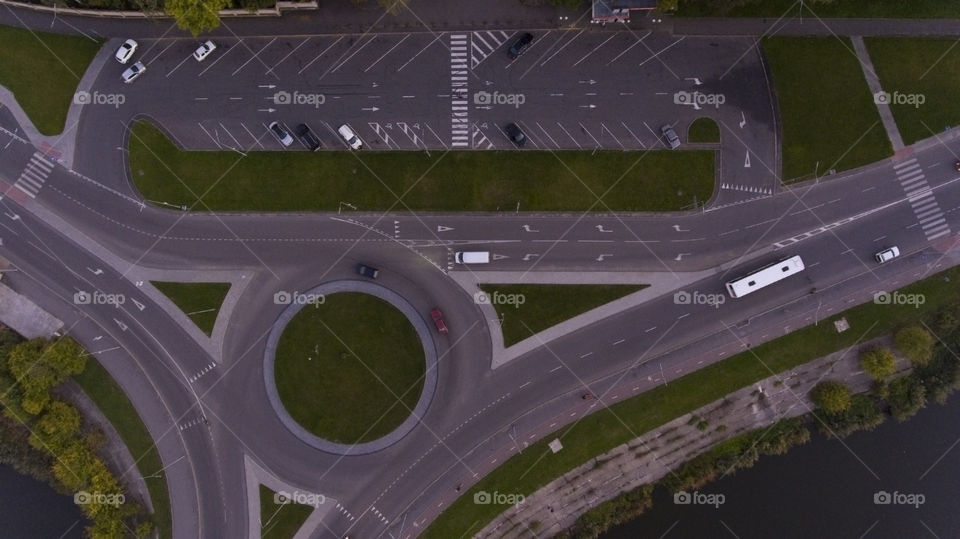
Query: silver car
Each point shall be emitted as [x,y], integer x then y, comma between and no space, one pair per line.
[133,72]
[672,139]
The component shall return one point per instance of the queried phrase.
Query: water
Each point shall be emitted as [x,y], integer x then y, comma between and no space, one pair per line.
[826,488]
[30,509]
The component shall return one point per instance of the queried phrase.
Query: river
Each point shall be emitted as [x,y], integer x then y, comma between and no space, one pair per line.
[826,488]
[31,509]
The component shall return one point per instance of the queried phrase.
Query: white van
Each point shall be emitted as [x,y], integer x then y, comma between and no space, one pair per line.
[472,257]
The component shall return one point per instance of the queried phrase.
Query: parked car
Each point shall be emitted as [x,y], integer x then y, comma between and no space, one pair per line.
[515,134]
[133,72]
[350,137]
[307,137]
[367,271]
[204,50]
[282,134]
[887,255]
[472,257]
[672,139]
[126,50]
[520,45]
[438,320]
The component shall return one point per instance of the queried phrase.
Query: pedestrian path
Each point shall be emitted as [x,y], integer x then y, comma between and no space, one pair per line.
[32,178]
[459,93]
[880,98]
[921,198]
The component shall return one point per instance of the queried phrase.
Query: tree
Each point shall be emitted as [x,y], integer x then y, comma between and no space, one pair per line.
[915,343]
[907,397]
[196,16]
[879,363]
[57,428]
[393,7]
[831,396]
[39,366]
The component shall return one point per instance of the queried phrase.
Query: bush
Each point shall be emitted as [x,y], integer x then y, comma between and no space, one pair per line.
[863,414]
[907,397]
[831,396]
[915,343]
[878,363]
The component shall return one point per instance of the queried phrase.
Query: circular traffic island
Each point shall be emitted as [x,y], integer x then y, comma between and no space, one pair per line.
[350,369]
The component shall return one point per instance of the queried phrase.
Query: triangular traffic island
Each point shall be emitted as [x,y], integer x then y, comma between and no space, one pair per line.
[199,301]
[282,513]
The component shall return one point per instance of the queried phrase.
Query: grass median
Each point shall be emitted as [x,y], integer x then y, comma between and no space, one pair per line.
[920,75]
[199,301]
[43,70]
[349,369]
[442,181]
[113,402]
[826,108]
[604,430]
[527,309]
[898,9]
[280,520]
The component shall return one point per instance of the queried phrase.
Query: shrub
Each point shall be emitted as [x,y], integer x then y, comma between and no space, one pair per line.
[831,396]
[915,343]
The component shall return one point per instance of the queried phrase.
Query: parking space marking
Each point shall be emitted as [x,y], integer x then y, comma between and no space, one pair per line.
[527,131]
[529,48]
[633,135]
[548,135]
[220,57]
[434,133]
[582,127]
[382,134]
[310,63]
[360,48]
[625,51]
[304,42]
[215,141]
[595,49]
[569,135]
[615,138]
[253,57]
[154,59]
[556,52]
[255,139]
[189,56]
[386,53]
[414,57]
[480,139]
[411,133]
[489,42]
[657,54]
[237,142]
[335,134]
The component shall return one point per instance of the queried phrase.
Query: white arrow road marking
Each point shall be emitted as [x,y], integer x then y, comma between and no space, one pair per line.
[12,215]
[746,161]
[680,256]
[500,257]
[139,305]
[602,257]
[743,120]
[678,229]
[97,271]
[441,228]
[528,256]
[526,228]
[123,326]
[601,229]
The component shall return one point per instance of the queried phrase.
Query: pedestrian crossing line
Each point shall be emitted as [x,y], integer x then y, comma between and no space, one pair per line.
[459,90]
[35,174]
[747,188]
[924,204]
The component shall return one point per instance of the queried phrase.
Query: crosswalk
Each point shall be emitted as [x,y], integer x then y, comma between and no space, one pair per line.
[32,178]
[459,92]
[482,45]
[924,204]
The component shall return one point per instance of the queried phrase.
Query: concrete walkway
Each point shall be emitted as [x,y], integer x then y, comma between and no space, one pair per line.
[880,98]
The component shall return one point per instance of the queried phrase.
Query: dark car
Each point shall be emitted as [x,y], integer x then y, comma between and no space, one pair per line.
[367,271]
[438,320]
[515,134]
[307,137]
[520,45]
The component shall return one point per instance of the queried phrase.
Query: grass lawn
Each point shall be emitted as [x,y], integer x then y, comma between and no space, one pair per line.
[827,119]
[602,431]
[107,395]
[43,70]
[704,130]
[914,9]
[199,301]
[351,369]
[280,521]
[930,67]
[546,305]
[465,180]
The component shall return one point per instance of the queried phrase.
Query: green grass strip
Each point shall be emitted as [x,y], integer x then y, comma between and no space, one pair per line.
[201,302]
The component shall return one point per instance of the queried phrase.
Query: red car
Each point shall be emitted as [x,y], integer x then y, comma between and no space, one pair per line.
[438,320]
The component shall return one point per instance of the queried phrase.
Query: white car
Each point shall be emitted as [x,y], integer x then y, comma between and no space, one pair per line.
[887,255]
[282,134]
[350,137]
[133,72]
[125,52]
[204,50]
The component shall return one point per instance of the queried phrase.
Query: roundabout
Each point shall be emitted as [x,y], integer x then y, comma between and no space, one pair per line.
[353,370]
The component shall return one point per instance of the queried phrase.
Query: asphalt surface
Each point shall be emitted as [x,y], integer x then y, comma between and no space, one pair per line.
[86,229]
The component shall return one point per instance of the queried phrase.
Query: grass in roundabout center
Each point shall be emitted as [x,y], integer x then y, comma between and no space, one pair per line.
[280,520]
[199,301]
[349,370]
[546,305]
[43,70]
[459,180]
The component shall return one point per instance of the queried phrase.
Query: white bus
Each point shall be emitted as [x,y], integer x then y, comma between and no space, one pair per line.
[764,276]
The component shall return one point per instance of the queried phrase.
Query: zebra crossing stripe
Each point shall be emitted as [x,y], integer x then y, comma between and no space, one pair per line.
[925,207]
[34,175]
